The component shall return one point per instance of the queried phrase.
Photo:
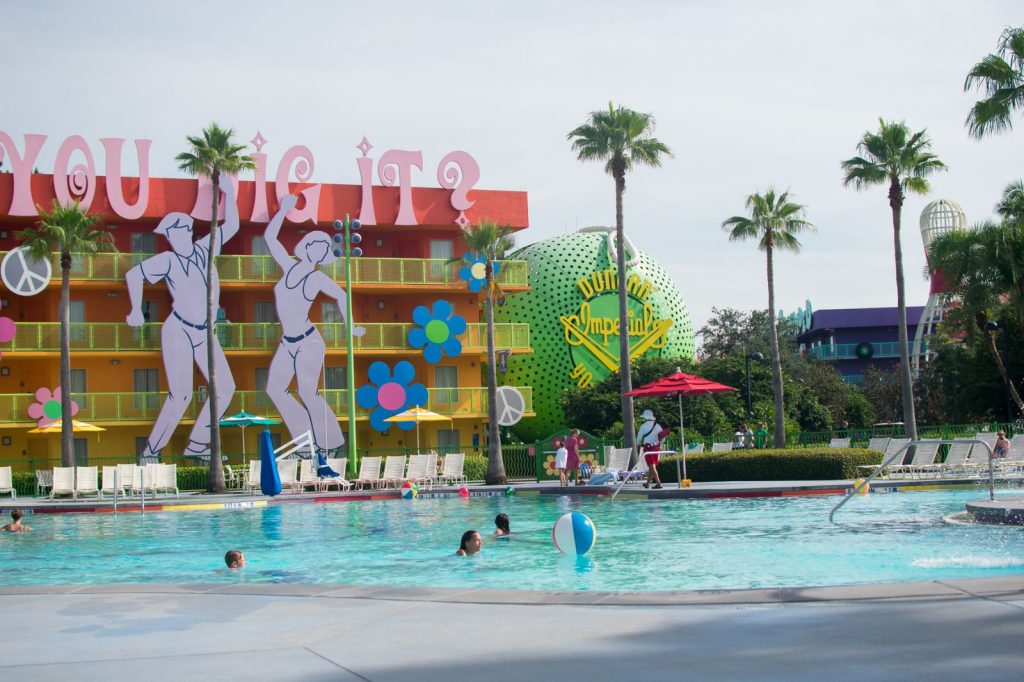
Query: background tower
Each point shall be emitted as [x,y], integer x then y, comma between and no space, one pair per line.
[938,218]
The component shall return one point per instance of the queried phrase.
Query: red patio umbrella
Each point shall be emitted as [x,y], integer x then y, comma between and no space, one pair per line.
[680,384]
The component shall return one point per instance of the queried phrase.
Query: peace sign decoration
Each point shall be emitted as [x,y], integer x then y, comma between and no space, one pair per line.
[23,275]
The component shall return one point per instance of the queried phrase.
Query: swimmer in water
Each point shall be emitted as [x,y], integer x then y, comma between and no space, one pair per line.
[471,544]
[501,525]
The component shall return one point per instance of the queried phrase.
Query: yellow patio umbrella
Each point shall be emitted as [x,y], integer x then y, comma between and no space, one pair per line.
[418,414]
[77,427]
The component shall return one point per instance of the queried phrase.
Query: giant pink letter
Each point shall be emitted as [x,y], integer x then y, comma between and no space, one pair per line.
[204,197]
[259,202]
[403,161]
[115,193]
[367,214]
[303,159]
[21,167]
[458,171]
[80,184]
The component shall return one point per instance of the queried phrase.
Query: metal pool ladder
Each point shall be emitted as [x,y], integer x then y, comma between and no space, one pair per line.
[901,453]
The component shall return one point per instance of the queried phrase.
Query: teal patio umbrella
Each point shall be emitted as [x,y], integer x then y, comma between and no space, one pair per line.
[244,419]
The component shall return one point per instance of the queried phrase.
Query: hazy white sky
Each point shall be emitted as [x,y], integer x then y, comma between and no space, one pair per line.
[747,94]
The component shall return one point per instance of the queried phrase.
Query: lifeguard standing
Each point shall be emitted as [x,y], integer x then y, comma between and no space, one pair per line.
[183,337]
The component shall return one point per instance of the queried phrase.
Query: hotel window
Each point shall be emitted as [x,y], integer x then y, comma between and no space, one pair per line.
[79,392]
[264,312]
[330,315]
[448,441]
[141,448]
[264,267]
[78,330]
[148,334]
[446,382]
[262,400]
[80,447]
[335,383]
[440,250]
[143,246]
[146,385]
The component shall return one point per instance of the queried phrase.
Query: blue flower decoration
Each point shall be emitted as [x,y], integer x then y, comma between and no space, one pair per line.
[390,394]
[437,331]
[475,271]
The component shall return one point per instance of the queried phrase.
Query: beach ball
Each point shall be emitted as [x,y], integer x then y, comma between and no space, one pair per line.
[574,534]
[510,491]
[463,492]
[409,490]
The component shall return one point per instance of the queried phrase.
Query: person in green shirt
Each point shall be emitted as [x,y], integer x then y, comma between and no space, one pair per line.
[761,437]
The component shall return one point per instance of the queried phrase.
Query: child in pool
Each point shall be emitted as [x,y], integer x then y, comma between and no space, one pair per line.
[15,526]
[501,525]
[234,559]
[471,544]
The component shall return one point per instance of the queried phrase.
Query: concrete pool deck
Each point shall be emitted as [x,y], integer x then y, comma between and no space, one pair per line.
[939,630]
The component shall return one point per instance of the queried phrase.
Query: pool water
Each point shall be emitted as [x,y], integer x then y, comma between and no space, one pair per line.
[641,544]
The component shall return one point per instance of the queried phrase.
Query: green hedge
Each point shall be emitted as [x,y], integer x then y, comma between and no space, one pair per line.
[802,464]
[24,482]
[475,467]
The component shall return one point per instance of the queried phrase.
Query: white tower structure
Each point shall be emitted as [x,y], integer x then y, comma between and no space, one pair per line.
[938,218]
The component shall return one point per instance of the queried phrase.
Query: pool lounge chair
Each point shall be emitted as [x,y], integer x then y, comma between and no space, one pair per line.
[618,464]
[125,476]
[63,482]
[369,472]
[7,482]
[879,444]
[956,461]
[252,481]
[108,486]
[1014,461]
[694,448]
[167,478]
[307,476]
[394,472]
[923,461]
[288,470]
[339,464]
[722,447]
[417,472]
[44,481]
[453,466]
[839,443]
[87,481]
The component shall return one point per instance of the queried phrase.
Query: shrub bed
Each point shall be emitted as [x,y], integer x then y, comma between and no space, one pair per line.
[475,467]
[799,464]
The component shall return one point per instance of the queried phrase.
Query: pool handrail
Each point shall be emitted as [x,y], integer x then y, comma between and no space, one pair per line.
[886,461]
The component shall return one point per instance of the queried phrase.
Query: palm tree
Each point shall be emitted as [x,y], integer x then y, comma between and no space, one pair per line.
[895,156]
[493,242]
[977,267]
[622,138]
[1001,76]
[212,155]
[1011,205]
[66,230]
[774,221]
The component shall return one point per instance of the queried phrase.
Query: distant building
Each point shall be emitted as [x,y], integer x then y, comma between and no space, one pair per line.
[854,339]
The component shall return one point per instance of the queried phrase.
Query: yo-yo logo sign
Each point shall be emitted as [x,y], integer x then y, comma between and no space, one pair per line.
[592,332]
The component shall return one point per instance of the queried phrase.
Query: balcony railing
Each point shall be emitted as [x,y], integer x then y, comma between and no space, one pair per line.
[366,272]
[103,408]
[848,351]
[116,337]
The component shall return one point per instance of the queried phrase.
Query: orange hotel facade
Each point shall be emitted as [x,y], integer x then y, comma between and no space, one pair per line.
[117,371]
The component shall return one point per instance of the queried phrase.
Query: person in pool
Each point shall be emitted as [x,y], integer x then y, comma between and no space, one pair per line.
[234,559]
[471,543]
[501,525]
[16,526]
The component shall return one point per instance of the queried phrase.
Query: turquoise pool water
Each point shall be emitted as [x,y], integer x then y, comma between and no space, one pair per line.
[641,545]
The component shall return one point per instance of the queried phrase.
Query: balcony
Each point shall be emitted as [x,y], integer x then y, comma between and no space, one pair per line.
[367,273]
[117,337]
[848,351]
[114,408]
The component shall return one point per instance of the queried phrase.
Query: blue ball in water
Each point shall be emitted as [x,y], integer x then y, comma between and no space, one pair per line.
[574,534]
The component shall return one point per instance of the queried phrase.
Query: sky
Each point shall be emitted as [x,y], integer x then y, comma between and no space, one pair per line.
[747,94]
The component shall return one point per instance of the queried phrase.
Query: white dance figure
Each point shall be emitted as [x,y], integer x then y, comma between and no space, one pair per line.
[301,353]
[183,337]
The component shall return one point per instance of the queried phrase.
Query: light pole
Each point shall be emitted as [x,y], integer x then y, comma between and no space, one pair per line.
[343,246]
[751,356]
[996,327]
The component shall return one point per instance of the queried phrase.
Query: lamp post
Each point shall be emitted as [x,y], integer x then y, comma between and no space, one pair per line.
[343,246]
[996,327]
[751,356]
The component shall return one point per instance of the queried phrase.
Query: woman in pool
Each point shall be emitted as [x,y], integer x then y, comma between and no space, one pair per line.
[300,355]
[471,543]
[501,525]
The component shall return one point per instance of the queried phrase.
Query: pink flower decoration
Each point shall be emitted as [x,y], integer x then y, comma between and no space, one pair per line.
[47,409]
[7,328]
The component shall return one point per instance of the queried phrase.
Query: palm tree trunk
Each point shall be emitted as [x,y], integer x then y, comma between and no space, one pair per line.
[906,380]
[67,430]
[780,417]
[495,463]
[215,481]
[990,341]
[625,379]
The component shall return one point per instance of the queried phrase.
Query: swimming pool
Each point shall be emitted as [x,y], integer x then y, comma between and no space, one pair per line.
[641,545]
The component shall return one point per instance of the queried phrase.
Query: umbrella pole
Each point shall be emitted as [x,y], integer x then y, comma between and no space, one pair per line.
[682,442]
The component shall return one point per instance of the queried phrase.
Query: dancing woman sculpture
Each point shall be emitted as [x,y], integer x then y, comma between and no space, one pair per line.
[301,352]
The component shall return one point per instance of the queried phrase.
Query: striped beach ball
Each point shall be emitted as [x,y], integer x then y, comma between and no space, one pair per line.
[574,534]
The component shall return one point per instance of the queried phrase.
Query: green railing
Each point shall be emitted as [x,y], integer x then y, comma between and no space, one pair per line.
[36,337]
[129,407]
[848,351]
[431,272]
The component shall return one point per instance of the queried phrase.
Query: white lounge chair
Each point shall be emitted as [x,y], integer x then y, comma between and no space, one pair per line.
[839,443]
[63,482]
[339,464]
[7,482]
[893,447]
[394,472]
[453,466]
[87,481]
[432,472]
[144,479]
[125,476]
[722,447]
[922,462]
[1014,461]
[956,460]
[417,472]
[167,478]
[109,474]
[695,448]
[369,472]
[288,471]
[44,481]
[618,464]
[879,444]
[307,475]
[252,481]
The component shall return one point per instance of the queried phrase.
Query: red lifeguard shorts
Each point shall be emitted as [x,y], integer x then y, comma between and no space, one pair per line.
[652,460]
